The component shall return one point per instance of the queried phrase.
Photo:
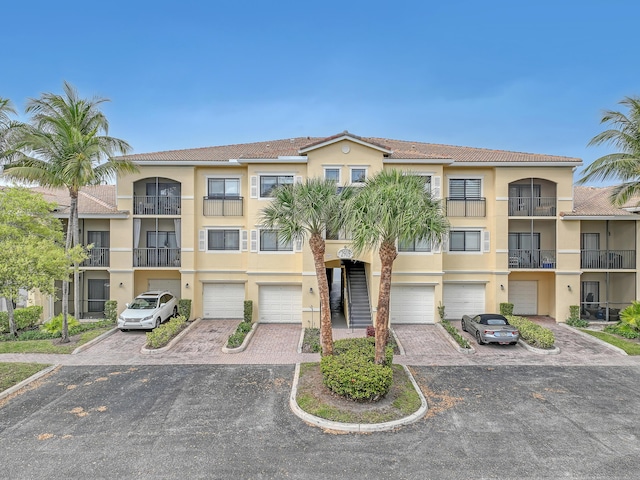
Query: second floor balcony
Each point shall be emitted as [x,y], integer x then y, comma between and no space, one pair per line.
[156,205]
[523,258]
[532,206]
[98,257]
[466,207]
[222,206]
[608,259]
[156,257]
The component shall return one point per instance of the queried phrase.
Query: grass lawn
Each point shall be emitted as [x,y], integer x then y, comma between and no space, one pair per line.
[13,373]
[51,345]
[632,348]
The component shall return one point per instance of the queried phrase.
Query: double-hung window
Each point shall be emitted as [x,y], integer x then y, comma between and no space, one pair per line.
[333,174]
[223,240]
[271,242]
[223,188]
[465,188]
[270,182]
[465,241]
[414,246]
[358,175]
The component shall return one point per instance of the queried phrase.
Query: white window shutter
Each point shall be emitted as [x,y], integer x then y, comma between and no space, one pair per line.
[486,247]
[254,240]
[436,246]
[298,179]
[202,240]
[445,243]
[245,240]
[298,245]
[435,183]
[254,186]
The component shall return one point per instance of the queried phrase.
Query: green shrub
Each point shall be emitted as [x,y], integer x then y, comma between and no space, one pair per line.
[532,333]
[236,339]
[574,318]
[25,318]
[55,324]
[623,330]
[111,310]
[184,308]
[311,340]
[506,309]
[631,315]
[352,373]
[453,331]
[37,335]
[441,311]
[162,335]
[248,311]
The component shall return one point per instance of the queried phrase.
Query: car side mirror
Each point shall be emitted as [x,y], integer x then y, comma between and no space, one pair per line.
[163,304]
[126,305]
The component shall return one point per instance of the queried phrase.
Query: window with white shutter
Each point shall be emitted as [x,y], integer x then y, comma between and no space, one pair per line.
[245,240]
[254,240]
[202,240]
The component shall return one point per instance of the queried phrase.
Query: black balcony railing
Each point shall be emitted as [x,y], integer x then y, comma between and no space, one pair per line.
[466,207]
[532,258]
[156,205]
[222,206]
[532,207]
[607,259]
[156,257]
[98,257]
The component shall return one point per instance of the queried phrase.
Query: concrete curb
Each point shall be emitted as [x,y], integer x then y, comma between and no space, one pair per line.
[540,351]
[355,427]
[27,381]
[176,339]
[245,342]
[452,341]
[91,343]
[301,341]
[595,339]
[395,337]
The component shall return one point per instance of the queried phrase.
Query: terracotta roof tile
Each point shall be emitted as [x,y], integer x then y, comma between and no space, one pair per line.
[95,200]
[401,149]
[595,201]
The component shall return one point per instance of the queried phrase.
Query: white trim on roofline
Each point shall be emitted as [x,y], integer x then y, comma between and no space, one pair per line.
[516,164]
[600,217]
[418,161]
[187,163]
[283,159]
[123,214]
[346,136]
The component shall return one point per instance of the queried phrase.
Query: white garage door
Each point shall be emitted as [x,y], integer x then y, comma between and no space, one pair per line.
[463,299]
[280,304]
[524,296]
[223,300]
[411,304]
[163,284]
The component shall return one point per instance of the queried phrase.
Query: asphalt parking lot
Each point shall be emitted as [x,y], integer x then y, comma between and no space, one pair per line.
[233,421]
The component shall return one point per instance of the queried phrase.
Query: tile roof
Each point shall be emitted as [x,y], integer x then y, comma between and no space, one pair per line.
[95,200]
[595,202]
[401,149]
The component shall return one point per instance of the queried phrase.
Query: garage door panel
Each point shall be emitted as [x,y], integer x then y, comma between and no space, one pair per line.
[172,285]
[223,300]
[411,304]
[524,296]
[463,299]
[280,304]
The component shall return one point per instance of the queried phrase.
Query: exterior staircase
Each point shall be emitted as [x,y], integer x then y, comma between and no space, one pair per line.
[359,305]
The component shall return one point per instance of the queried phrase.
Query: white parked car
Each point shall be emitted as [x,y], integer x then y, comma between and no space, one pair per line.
[148,311]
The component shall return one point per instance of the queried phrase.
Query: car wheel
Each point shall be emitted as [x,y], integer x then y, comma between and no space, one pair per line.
[513,343]
[463,326]
[479,338]
[124,329]
[158,322]
[175,312]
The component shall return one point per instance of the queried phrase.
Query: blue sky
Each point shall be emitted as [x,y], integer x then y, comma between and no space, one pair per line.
[529,76]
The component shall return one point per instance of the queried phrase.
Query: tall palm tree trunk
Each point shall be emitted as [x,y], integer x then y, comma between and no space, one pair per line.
[73,217]
[388,254]
[65,290]
[316,243]
[12,321]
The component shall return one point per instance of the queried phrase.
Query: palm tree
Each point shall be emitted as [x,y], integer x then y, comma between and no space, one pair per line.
[6,108]
[623,165]
[393,206]
[307,210]
[66,145]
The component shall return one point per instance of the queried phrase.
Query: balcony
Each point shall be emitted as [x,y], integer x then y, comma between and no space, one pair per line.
[156,257]
[532,207]
[222,206]
[532,259]
[466,207]
[156,205]
[98,257]
[608,259]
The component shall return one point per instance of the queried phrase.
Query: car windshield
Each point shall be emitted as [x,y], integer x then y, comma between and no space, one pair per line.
[143,304]
[496,321]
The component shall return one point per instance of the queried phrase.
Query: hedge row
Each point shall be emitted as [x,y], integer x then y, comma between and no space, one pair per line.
[532,333]
[24,317]
[162,335]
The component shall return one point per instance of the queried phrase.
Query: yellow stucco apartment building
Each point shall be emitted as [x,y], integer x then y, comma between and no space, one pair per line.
[520,232]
